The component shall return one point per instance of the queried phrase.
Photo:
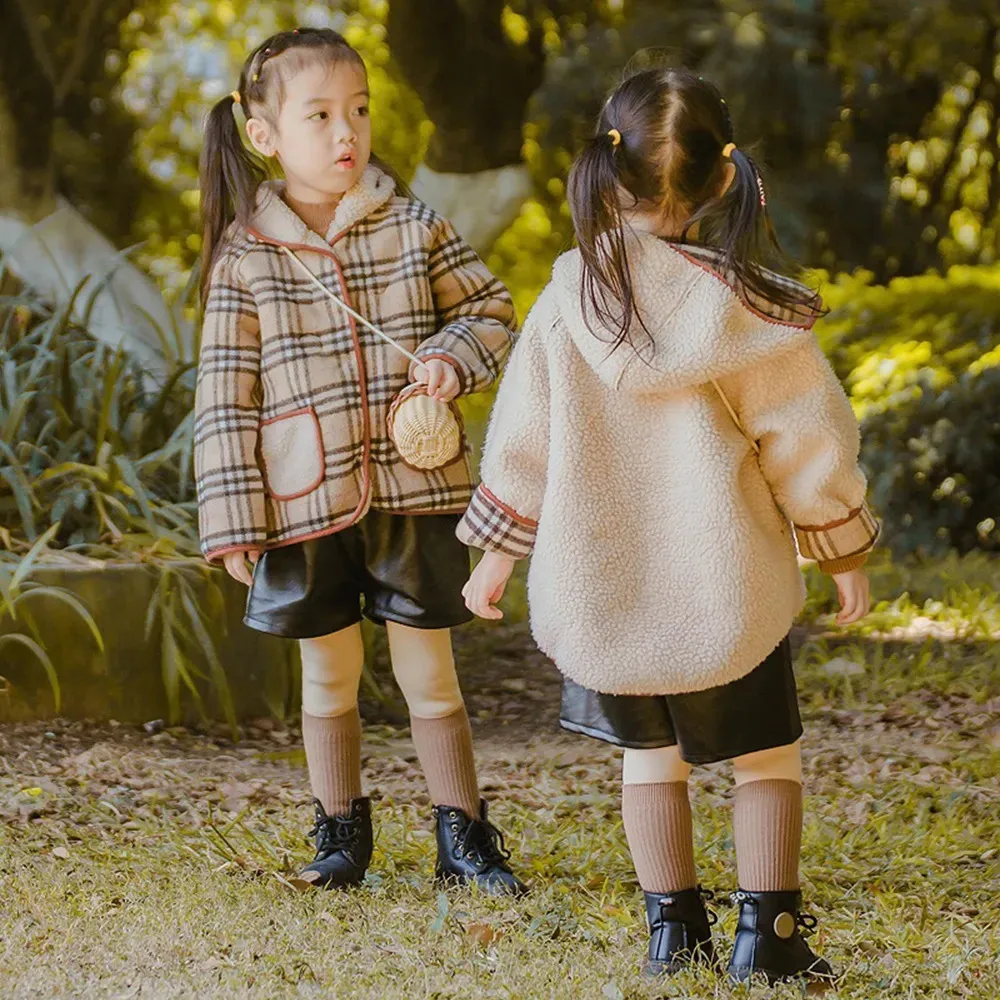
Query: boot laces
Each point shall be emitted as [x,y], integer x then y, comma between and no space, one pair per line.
[480,838]
[708,897]
[335,833]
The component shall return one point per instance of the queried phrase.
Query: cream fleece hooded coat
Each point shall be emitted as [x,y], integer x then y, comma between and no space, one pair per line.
[663,549]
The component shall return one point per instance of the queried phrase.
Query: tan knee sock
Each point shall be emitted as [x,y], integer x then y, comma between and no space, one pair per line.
[767,829]
[658,827]
[444,747]
[333,753]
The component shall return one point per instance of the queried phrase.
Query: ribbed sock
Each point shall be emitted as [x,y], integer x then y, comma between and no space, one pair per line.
[444,747]
[333,754]
[767,829]
[658,826]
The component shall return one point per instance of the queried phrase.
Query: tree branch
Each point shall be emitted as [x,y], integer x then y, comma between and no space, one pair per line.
[29,22]
[81,49]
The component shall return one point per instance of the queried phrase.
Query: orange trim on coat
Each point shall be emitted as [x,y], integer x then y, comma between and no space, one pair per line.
[808,325]
[285,542]
[509,511]
[219,553]
[311,411]
[833,524]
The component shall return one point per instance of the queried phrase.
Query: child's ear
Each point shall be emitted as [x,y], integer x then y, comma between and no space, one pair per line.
[261,136]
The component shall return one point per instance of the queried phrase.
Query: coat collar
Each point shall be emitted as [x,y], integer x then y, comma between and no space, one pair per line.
[276,222]
[696,328]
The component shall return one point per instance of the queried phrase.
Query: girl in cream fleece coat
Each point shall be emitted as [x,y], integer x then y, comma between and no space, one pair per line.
[667,434]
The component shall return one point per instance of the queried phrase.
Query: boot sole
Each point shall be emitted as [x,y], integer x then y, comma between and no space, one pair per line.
[745,975]
[685,960]
[449,881]
[311,881]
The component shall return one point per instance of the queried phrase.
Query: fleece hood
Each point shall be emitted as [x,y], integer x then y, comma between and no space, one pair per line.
[701,329]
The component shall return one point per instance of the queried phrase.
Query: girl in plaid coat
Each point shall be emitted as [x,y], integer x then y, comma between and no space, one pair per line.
[296,473]
[667,431]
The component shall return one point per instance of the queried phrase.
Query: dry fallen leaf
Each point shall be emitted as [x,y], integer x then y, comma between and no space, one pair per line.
[304,882]
[483,934]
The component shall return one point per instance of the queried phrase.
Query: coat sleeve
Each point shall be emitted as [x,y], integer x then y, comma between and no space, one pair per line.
[231,497]
[794,406]
[504,511]
[475,310]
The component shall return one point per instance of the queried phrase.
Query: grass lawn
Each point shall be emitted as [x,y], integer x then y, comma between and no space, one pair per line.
[139,865]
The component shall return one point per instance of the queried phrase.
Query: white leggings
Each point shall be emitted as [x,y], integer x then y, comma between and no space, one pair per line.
[650,767]
[422,662]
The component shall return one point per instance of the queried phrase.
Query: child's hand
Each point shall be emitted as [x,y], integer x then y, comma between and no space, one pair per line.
[440,378]
[855,596]
[236,565]
[487,584]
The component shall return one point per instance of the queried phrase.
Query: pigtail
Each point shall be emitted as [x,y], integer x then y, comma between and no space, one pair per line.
[230,177]
[739,225]
[593,192]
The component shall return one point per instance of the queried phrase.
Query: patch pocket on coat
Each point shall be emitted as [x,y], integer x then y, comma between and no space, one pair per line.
[291,454]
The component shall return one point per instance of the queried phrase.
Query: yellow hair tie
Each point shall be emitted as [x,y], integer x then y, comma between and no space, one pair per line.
[729,150]
[616,136]
[235,95]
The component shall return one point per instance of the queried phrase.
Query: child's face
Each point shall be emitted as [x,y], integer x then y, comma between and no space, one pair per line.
[322,137]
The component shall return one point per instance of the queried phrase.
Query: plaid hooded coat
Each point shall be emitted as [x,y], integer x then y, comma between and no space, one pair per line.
[293,395]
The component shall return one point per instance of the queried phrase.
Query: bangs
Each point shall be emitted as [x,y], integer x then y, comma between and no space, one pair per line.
[280,69]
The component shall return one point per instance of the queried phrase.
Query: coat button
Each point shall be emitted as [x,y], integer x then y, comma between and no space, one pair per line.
[784,925]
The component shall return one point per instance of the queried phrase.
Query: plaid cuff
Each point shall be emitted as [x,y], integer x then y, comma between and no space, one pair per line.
[843,545]
[491,525]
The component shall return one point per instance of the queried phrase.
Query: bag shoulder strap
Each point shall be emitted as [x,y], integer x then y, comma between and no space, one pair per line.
[343,305]
[735,416]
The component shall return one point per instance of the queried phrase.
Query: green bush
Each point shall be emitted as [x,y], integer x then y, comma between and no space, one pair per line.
[921,360]
[87,441]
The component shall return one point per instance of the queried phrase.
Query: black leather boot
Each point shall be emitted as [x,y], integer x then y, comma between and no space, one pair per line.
[343,847]
[769,940]
[472,851]
[679,931]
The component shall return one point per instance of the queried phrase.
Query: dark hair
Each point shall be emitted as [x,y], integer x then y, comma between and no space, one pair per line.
[674,127]
[231,173]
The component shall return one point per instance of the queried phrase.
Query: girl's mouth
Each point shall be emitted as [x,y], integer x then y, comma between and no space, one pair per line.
[346,162]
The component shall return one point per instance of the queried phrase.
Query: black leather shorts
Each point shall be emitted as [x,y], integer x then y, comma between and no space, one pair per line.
[406,569]
[757,712]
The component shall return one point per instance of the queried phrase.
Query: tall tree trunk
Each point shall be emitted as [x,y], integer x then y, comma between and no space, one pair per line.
[44,240]
[475,84]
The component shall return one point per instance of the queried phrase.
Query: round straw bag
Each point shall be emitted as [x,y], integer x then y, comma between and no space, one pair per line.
[426,432]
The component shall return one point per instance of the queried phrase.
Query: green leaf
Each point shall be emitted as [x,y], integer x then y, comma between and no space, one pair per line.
[27,564]
[131,478]
[68,598]
[23,496]
[220,682]
[16,639]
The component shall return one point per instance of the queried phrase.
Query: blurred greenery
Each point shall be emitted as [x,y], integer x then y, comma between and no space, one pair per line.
[877,120]
[921,360]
